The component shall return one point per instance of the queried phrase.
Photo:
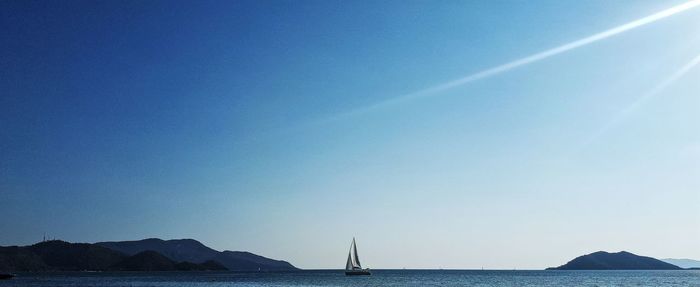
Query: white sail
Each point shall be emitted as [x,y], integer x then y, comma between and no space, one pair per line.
[357,258]
[348,265]
[353,260]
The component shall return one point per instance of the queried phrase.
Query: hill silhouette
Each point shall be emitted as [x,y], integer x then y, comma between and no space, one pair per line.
[15,258]
[56,255]
[193,251]
[623,260]
[61,255]
[683,263]
[146,261]
[154,261]
[176,249]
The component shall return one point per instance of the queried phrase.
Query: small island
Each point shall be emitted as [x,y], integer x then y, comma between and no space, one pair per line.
[623,260]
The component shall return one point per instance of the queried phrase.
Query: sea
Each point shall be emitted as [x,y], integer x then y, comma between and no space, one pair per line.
[378,278]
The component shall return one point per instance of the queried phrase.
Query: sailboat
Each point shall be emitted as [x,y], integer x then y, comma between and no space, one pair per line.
[353,267]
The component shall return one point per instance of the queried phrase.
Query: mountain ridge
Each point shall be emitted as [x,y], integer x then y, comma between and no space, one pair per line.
[683,262]
[194,251]
[152,254]
[154,261]
[57,255]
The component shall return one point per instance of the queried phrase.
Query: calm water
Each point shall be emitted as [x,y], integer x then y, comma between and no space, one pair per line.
[378,278]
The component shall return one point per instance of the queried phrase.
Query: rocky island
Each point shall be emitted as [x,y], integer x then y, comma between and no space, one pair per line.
[623,260]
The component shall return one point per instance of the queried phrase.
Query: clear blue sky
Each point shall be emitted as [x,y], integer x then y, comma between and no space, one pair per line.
[273,127]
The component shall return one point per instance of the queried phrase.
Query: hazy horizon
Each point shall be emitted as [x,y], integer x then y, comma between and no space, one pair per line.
[455,135]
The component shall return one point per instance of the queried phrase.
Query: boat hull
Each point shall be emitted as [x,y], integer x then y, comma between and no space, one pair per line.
[6,276]
[357,272]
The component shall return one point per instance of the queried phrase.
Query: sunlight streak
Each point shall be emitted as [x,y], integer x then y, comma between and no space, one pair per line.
[521,62]
[625,112]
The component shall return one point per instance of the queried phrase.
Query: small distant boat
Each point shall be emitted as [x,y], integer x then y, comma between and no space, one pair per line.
[4,276]
[353,267]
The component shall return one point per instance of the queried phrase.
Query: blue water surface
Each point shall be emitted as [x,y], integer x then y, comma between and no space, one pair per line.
[378,278]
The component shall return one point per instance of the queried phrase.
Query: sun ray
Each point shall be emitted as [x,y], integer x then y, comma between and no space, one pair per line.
[432,91]
[656,90]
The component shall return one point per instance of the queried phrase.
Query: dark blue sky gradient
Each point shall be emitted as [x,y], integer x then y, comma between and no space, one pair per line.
[209,119]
